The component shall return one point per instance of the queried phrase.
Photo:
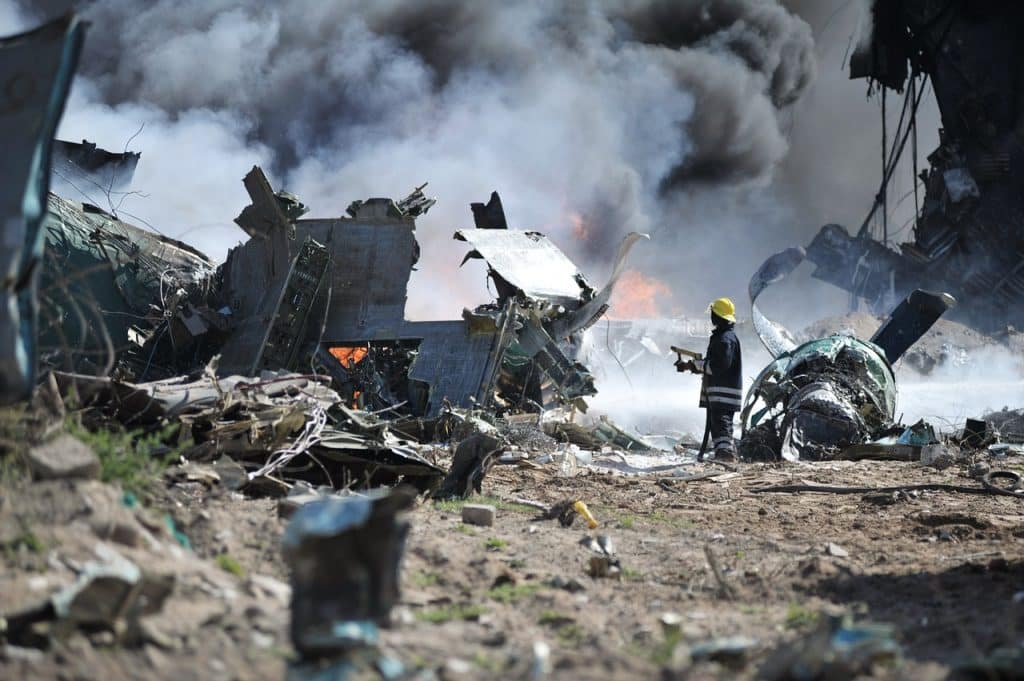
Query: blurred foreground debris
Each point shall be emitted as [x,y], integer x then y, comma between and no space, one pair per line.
[36,69]
[836,649]
[345,557]
[111,595]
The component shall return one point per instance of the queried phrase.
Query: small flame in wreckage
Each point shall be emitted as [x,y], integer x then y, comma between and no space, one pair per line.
[638,296]
[579,227]
[349,355]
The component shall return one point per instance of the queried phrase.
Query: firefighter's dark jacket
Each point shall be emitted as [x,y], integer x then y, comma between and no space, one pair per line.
[723,372]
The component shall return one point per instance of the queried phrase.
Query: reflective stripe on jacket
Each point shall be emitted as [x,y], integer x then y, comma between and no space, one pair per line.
[723,370]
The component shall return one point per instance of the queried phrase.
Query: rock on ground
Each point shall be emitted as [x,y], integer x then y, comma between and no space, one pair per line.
[63,457]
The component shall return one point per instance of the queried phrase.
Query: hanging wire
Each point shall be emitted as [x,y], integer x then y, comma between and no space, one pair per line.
[913,146]
[885,165]
[898,144]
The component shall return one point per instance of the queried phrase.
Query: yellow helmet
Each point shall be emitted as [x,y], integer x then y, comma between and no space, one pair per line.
[724,308]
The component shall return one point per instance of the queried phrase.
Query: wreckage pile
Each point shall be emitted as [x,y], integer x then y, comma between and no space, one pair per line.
[290,371]
[321,296]
[294,358]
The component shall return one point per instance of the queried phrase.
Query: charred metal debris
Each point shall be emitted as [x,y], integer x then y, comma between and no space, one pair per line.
[967,235]
[821,398]
[323,297]
[298,343]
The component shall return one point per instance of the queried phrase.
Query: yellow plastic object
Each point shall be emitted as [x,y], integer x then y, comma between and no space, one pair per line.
[724,308]
[582,509]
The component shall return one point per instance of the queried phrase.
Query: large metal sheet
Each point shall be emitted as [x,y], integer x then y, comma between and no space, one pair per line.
[910,320]
[371,260]
[458,363]
[528,261]
[35,74]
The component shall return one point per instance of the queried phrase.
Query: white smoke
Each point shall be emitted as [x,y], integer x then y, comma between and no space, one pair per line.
[969,384]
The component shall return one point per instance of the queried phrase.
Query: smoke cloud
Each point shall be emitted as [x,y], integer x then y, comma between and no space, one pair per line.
[657,115]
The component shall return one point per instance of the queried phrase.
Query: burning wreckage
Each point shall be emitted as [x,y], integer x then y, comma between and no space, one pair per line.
[298,342]
[148,329]
[320,296]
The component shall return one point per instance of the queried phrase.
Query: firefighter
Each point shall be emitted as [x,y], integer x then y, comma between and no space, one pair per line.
[721,379]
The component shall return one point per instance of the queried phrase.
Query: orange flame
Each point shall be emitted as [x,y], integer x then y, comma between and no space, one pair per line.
[348,356]
[638,296]
[580,230]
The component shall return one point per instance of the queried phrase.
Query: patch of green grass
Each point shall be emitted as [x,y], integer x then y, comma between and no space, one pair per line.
[568,632]
[658,653]
[131,458]
[799,616]
[678,522]
[517,563]
[631,575]
[511,593]
[465,529]
[423,579]
[627,522]
[496,544]
[16,430]
[450,505]
[12,469]
[486,663]
[229,564]
[27,539]
[282,652]
[450,613]
[571,635]
[30,541]
[553,618]
[747,609]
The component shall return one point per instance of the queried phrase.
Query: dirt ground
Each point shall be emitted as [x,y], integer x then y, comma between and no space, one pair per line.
[945,569]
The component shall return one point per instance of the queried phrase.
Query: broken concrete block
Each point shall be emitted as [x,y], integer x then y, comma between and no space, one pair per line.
[455,669]
[122,532]
[63,457]
[107,592]
[263,585]
[836,551]
[478,514]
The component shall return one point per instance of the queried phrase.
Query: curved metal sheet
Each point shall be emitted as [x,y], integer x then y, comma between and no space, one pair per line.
[594,308]
[774,336]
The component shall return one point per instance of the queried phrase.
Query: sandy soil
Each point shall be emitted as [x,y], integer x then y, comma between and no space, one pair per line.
[942,567]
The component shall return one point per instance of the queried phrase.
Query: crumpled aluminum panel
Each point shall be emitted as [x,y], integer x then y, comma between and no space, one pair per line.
[528,261]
